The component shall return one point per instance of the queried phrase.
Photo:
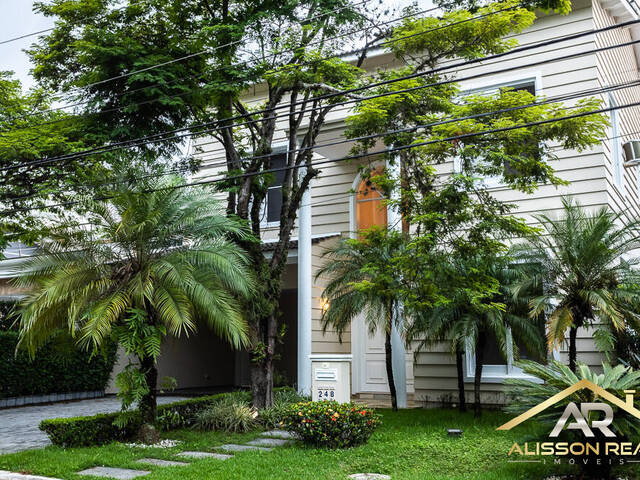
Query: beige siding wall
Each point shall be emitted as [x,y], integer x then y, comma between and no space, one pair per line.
[328,342]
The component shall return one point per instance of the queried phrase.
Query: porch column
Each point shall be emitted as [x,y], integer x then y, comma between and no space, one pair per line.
[304,294]
[398,354]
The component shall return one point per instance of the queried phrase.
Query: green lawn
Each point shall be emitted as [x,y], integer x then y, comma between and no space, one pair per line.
[411,444]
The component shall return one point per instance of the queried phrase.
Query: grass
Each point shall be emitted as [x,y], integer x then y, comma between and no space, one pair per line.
[410,444]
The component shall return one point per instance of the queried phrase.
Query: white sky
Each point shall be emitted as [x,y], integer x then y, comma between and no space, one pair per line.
[17,18]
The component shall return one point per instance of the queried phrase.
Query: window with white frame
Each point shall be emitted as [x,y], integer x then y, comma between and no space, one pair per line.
[497,366]
[529,85]
[274,192]
[617,160]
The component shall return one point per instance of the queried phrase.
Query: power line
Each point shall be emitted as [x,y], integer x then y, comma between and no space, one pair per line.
[157,137]
[26,36]
[350,157]
[444,121]
[237,64]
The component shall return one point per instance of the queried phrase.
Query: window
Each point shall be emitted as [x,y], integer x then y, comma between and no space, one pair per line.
[497,366]
[370,211]
[274,192]
[616,143]
[493,181]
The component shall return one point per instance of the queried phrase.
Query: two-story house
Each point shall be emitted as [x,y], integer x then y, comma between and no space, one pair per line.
[332,210]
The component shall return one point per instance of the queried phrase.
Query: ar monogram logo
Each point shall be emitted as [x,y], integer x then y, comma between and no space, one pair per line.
[581,416]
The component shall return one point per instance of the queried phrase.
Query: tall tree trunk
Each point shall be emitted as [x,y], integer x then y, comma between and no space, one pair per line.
[573,353]
[389,364]
[148,403]
[461,398]
[262,364]
[477,380]
[147,432]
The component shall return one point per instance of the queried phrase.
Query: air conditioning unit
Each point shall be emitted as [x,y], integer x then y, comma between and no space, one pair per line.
[632,153]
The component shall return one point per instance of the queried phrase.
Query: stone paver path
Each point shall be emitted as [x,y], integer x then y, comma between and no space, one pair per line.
[162,463]
[219,456]
[232,447]
[278,434]
[273,438]
[19,426]
[4,475]
[118,473]
[269,442]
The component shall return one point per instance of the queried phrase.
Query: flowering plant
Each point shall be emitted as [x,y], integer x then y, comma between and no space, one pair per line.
[331,424]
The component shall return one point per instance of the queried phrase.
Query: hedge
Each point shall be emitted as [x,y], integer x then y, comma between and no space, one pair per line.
[59,367]
[99,429]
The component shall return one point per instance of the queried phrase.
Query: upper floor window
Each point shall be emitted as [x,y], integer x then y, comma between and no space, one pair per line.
[370,209]
[492,181]
[617,161]
[274,192]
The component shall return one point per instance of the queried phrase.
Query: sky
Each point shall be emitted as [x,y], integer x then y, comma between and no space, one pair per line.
[16,19]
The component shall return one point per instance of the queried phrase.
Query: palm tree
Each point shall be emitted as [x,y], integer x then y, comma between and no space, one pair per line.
[580,264]
[145,266]
[470,317]
[363,278]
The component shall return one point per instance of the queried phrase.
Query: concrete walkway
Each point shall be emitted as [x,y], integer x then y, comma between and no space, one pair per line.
[19,426]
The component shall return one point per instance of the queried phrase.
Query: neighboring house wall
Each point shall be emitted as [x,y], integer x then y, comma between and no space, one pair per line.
[616,66]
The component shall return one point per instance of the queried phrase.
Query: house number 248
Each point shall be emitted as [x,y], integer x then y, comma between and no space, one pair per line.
[326,394]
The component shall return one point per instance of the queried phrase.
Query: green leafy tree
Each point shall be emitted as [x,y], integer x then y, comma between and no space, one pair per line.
[293,62]
[457,214]
[363,278]
[305,38]
[562,6]
[27,136]
[145,266]
[582,264]
[91,42]
[475,313]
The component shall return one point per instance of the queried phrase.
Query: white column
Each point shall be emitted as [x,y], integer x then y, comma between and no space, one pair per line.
[398,354]
[304,294]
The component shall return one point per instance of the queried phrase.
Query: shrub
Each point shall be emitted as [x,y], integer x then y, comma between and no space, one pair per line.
[331,424]
[86,431]
[228,415]
[273,417]
[59,367]
[100,429]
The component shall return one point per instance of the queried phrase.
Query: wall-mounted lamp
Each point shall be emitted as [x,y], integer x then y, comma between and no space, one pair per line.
[324,305]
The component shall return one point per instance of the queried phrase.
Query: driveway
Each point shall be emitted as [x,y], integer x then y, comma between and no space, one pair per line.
[19,426]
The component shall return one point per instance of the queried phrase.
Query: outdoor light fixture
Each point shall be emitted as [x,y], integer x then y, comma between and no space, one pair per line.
[325,305]
[454,432]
